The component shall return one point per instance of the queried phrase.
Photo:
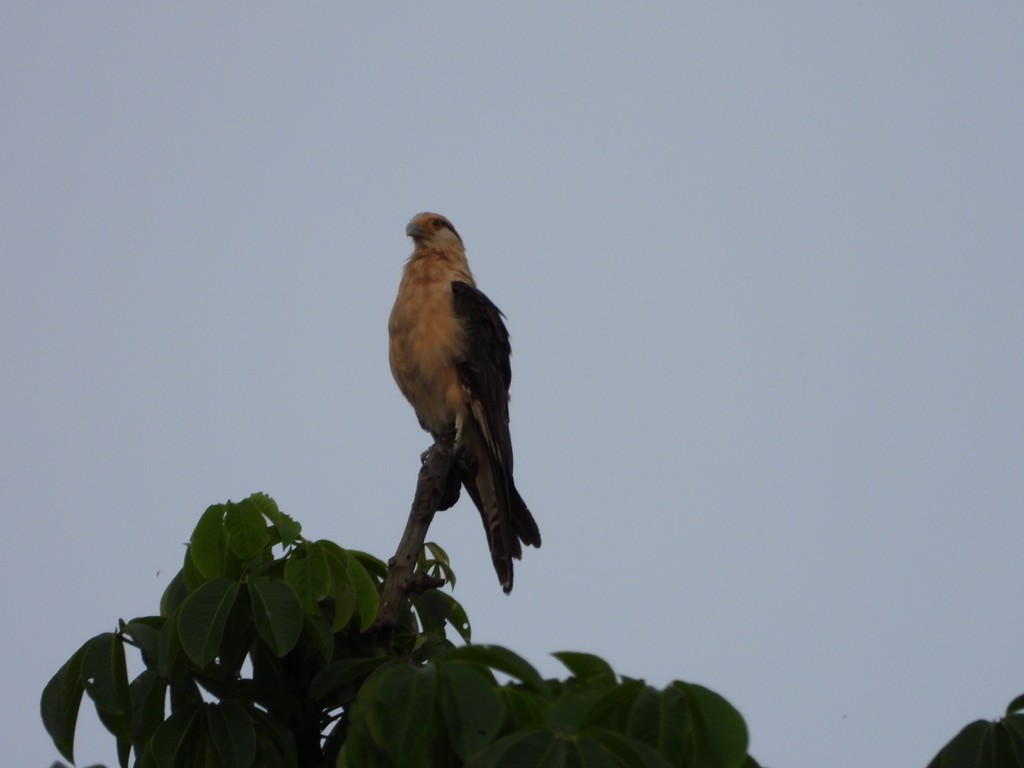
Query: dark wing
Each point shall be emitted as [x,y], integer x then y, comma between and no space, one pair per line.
[486,370]
[486,374]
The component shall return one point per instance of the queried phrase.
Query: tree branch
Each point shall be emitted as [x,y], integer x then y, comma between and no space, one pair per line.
[433,492]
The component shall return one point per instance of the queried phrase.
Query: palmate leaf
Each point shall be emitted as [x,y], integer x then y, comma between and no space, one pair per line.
[984,744]
[276,612]
[144,633]
[367,596]
[148,693]
[60,703]
[341,590]
[340,673]
[275,746]
[533,747]
[437,610]
[202,618]
[105,678]
[613,707]
[307,572]
[174,595]
[572,710]
[627,751]
[208,545]
[660,719]
[717,735]
[172,737]
[246,529]
[503,660]
[231,730]
[287,529]
[404,698]
[472,711]
[523,708]
[1016,705]
[171,659]
[318,630]
[974,746]
[585,665]
[590,753]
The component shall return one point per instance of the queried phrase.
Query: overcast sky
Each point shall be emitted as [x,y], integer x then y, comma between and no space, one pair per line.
[763,267]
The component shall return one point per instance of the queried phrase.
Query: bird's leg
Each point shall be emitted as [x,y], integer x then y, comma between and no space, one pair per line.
[448,441]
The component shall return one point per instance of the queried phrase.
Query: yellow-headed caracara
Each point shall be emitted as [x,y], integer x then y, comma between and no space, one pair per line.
[449,352]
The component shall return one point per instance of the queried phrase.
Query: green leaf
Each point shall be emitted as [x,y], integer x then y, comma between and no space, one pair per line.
[124,751]
[340,673]
[246,529]
[438,564]
[503,660]
[208,546]
[202,618]
[367,596]
[374,566]
[172,737]
[1009,744]
[534,748]
[585,665]
[144,633]
[458,618]
[973,747]
[148,693]
[171,659]
[105,678]
[276,613]
[342,589]
[191,576]
[318,630]
[660,719]
[629,752]
[1014,725]
[101,665]
[718,734]
[570,710]
[434,610]
[405,698]
[275,743]
[612,709]
[592,754]
[232,732]
[60,702]
[287,529]
[1015,705]
[175,594]
[306,571]
[437,552]
[523,708]
[472,711]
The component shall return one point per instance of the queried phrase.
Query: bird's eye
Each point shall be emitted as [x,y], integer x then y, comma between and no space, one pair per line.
[440,223]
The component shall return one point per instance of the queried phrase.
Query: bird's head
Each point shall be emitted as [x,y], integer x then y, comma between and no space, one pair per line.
[432,229]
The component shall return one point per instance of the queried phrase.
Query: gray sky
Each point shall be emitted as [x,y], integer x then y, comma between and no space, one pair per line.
[763,266]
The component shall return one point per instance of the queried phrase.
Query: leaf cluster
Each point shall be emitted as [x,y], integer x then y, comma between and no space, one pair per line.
[453,712]
[253,659]
[264,655]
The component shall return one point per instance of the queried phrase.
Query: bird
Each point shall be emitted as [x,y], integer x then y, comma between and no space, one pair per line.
[449,352]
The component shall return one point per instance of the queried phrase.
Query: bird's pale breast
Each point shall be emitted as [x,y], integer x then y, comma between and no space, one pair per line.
[426,342]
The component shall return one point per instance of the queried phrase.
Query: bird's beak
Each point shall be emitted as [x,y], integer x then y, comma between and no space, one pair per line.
[414,230]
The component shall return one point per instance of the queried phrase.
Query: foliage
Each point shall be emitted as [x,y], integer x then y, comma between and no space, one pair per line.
[984,744]
[263,661]
[257,661]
